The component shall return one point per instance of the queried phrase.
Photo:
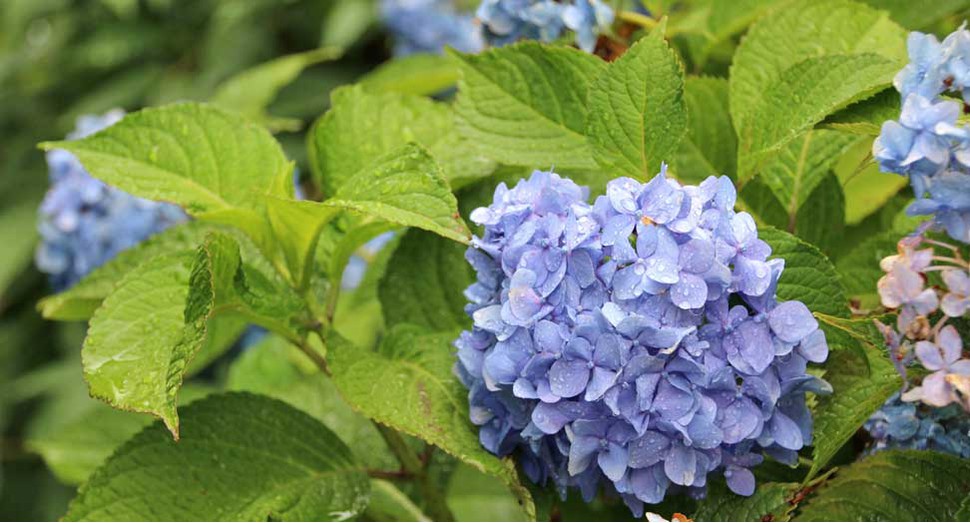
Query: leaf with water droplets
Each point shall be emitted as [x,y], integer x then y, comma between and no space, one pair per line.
[242,457]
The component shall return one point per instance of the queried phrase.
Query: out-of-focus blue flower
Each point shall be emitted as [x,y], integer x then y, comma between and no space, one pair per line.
[428,26]
[83,223]
[901,425]
[927,144]
[507,21]
[636,342]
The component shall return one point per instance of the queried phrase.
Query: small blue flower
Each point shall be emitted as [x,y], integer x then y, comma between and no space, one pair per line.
[902,425]
[428,26]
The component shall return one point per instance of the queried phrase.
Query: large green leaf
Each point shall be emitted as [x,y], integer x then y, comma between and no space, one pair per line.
[821,220]
[867,116]
[802,63]
[866,189]
[195,155]
[710,147]
[808,276]
[409,386]
[474,496]
[250,92]
[365,125]
[424,283]
[421,74]
[862,379]
[770,502]
[525,104]
[17,226]
[637,114]
[897,485]
[241,457]
[919,15]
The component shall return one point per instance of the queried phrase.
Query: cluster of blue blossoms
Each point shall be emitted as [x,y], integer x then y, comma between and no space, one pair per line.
[903,425]
[430,25]
[83,223]
[928,144]
[636,342]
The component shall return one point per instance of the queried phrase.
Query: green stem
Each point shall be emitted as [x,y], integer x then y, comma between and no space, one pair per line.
[411,463]
[635,18]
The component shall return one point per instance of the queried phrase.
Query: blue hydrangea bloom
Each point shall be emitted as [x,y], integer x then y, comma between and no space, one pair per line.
[902,425]
[635,343]
[428,26]
[507,21]
[927,144]
[83,223]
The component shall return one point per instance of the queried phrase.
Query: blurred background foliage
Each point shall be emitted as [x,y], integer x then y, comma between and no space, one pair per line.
[60,59]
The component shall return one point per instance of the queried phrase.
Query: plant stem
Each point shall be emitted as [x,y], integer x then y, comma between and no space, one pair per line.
[411,463]
[635,18]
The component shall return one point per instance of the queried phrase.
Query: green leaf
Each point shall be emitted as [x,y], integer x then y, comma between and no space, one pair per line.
[81,300]
[897,485]
[387,503]
[919,15]
[964,513]
[194,155]
[418,395]
[347,22]
[420,74]
[17,226]
[808,276]
[859,268]
[768,503]
[800,64]
[363,126]
[710,147]
[867,116]
[405,187]
[474,496]
[801,166]
[637,111]
[133,356]
[250,92]
[862,379]
[525,104]
[821,220]
[277,369]
[424,282]
[241,457]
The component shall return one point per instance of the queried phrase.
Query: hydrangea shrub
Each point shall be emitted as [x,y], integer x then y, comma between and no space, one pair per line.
[600,269]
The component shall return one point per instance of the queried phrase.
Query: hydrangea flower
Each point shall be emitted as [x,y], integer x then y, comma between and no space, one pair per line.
[83,223]
[507,21]
[903,425]
[927,144]
[635,343]
[428,26]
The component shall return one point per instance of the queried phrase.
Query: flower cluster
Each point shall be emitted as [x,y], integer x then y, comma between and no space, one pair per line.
[507,21]
[928,144]
[936,345]
[431,25]
[902,425]
[428,26]
[83,222]
[636,342]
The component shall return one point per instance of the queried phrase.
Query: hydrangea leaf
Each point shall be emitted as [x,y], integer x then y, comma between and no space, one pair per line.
[363,125]
[419,74]
[18,238]
[707,26]
[242,457]
[405,187]
[525,104]
[637,111]
[770,502]
[388,503]
[710,147]
[964,513]
[867,116]
[862,379]
[866,188]
[408,385]
[919,15]
[801,166]
[474,496]
[80,301]
[808,276]
[195,155]
[895,485]
[424,282]
[277,369]
[250,92]
[803,62]
[821,219]
[859,268]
